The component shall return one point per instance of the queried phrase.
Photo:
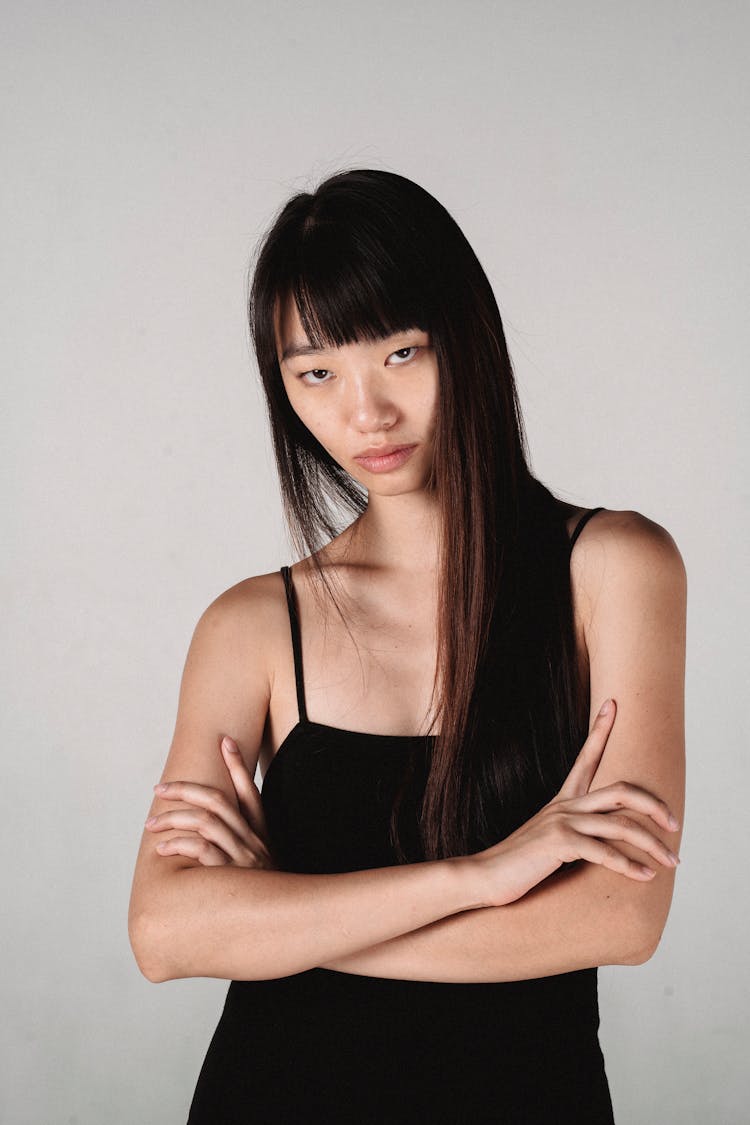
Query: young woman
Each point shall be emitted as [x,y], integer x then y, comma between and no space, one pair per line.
[452,831]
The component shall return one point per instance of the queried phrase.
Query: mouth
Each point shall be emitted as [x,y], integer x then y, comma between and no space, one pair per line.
[382,463]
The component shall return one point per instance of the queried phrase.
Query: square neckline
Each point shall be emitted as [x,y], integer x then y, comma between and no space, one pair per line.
[307,724]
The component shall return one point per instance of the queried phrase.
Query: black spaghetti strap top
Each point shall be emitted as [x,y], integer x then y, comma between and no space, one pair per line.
[328,1046]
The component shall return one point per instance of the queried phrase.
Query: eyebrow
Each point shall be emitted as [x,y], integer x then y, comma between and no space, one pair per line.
[294,350]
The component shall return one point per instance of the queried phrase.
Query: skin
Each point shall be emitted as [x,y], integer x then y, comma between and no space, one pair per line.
[211,902]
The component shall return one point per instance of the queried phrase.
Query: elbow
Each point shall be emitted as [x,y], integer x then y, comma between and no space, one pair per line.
[153,970]
[641,919]
[643,940]
[639,954]
[148,942]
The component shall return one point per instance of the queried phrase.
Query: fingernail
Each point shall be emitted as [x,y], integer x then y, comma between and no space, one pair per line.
[673,822]
[228,746]
[675,858]
[161,787]
[648,871]
[606,707]
[151,820]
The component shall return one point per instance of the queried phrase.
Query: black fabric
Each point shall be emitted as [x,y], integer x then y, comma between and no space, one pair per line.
[326,1046]
[582,523]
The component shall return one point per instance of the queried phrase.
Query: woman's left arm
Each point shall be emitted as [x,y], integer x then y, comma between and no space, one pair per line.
[630,586]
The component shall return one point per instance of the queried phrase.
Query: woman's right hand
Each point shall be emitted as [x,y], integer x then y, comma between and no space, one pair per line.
[577,824]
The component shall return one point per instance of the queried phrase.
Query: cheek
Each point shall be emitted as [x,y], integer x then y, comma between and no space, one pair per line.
[429,407]
[298,402]
[313,415]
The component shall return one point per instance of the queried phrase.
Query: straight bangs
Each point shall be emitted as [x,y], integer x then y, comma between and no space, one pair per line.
[349,285]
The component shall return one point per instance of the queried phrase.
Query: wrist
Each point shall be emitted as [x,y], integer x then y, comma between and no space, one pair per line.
[469,881]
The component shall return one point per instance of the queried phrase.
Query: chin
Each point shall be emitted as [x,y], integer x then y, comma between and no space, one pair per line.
[394,487]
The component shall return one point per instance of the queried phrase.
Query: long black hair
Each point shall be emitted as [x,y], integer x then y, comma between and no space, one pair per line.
[367,254]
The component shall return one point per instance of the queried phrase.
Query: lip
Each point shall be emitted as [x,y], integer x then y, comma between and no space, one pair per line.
[391,458]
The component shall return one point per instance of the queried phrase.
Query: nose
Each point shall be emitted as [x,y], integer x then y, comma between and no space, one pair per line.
[371,406]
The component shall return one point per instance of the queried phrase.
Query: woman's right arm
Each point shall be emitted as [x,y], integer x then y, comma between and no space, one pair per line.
[253,923]
[187,920]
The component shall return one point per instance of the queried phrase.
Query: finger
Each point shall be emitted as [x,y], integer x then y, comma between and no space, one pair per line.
[626,795]
[615,826]
[211,828]
[247,791]
[607,855]
[194,847]
[205,797]
[586,764]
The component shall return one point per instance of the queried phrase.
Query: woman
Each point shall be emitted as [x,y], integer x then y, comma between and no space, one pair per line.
[452,832]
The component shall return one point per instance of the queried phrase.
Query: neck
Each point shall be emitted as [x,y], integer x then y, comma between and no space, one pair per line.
[399,532]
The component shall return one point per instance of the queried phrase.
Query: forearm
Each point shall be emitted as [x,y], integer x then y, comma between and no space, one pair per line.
[577,919]
[252,924]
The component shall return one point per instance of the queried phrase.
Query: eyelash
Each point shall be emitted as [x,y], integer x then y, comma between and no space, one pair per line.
[319,382]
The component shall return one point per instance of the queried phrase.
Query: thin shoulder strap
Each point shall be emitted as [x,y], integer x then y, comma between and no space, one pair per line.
[296,642]
[582,523]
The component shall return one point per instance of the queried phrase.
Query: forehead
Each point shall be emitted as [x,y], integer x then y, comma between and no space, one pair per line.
[291,338]
[287,325]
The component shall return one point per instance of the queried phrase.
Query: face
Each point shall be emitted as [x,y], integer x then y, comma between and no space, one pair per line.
[364,397]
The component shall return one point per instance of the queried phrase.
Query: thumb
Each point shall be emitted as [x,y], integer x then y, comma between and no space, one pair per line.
[248,794]
[586,764]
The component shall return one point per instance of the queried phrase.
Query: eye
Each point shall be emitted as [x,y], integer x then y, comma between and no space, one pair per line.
[404,358]
[404,355]
[314,371]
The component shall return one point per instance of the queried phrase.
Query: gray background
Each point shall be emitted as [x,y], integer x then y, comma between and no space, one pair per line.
[594,155]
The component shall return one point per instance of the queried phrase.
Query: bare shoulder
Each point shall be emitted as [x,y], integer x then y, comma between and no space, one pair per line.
[625,552]
[618,539]
[226,684]
[250,608]
[228,676]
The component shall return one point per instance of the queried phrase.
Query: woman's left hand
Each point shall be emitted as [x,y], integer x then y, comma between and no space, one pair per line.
[220,833]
